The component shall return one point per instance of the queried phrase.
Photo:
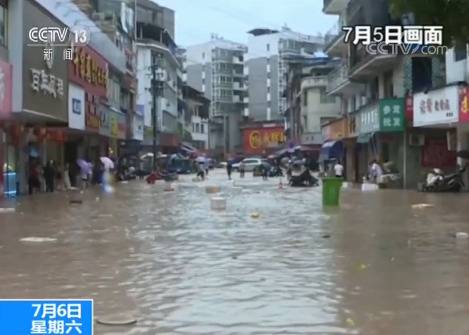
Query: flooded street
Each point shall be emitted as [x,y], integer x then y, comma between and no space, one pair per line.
[375,266]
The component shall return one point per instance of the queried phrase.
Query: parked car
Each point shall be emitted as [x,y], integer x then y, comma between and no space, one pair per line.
[249,164]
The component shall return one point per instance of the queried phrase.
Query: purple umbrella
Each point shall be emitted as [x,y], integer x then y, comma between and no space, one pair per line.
[85,167]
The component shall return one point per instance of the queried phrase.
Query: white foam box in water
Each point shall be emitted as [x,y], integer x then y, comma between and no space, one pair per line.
[212,189]
[218,203]
[345,185]
[7,210]
[366,187]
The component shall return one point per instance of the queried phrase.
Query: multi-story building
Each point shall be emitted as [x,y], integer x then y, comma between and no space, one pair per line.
[376,96]
[317,107]
[216,68]
[116,19]
[269,56]
[157,50]
[197,111]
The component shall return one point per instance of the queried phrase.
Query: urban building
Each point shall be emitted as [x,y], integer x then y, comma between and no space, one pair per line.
[378,95]
[116,19]
[197,112]
[270,53]
[157,56]
[10,130]
[317,107]
[216,68]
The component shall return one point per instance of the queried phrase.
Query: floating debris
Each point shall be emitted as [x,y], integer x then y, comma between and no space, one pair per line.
[38,239]
[422,206]
[116,321]
[462,235]
[350,322]
[255,215]
[8,210]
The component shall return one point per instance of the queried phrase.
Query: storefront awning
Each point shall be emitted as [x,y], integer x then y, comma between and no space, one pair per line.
[331,150]
[364,138]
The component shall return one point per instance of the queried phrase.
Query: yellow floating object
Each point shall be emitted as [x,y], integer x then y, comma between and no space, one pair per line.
[350,322]
[363,266]
[255,215]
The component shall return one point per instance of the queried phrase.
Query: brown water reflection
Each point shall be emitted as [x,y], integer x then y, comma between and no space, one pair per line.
[183,269]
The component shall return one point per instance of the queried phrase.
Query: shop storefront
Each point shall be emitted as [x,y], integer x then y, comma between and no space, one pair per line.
[118,131]
[44,97]
[381,135]
[333,148]
[437,113]
[7,142]
[89,75]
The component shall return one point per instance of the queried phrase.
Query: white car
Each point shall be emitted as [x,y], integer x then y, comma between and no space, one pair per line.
[249,164]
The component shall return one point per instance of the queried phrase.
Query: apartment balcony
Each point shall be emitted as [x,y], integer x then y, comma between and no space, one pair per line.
[319,81]
[365,65]
[239,87]
[238,60]
[237,99]
[334,7]
[334,44]
[237,74]
[338,82]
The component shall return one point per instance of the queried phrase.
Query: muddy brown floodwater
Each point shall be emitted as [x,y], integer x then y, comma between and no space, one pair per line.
[374,266]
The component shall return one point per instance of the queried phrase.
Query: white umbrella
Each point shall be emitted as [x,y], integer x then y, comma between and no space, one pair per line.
[107,162]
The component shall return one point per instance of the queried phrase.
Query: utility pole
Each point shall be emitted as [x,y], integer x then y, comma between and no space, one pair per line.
[155,83]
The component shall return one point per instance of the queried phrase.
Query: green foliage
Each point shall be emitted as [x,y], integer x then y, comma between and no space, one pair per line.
[453,15]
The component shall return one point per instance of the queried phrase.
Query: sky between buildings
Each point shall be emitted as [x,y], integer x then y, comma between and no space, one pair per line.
[231,19]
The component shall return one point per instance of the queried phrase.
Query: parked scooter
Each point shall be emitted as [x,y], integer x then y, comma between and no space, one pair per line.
[437,181]
[300,175]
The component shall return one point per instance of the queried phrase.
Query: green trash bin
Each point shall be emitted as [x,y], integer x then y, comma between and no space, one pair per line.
[331,191]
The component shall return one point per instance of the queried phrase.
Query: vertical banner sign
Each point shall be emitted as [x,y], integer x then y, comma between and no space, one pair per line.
[464,105]
[31,317]
[391,115]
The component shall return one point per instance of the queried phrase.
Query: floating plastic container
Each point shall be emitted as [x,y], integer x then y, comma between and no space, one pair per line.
[218,203]
[212,189]
[368,187]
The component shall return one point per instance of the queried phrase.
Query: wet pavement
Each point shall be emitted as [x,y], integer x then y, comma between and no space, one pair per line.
[377,265]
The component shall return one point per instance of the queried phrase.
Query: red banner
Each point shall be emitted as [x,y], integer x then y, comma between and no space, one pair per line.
[409,108]
[5,89]
[90,70]
[464,104]
[257,140]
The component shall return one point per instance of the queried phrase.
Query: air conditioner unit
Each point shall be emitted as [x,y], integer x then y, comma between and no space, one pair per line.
[417,140]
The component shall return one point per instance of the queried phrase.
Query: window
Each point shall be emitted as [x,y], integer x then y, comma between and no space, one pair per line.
[268,47]
[3,25]
[305,98]
[324,98]
[460,52]
[202,128]
[203,55]
[193,127]
[196,127]
[388,85]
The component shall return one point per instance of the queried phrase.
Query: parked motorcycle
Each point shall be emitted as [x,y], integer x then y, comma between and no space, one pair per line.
[300,176]
[437,181]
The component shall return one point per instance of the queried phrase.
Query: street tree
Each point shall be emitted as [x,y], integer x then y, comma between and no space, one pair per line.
[453,15]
